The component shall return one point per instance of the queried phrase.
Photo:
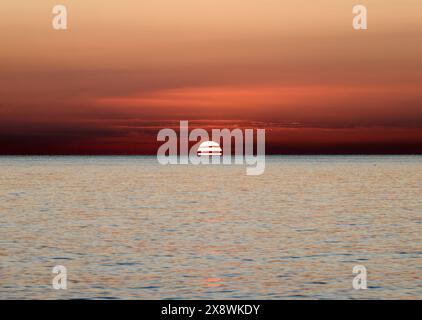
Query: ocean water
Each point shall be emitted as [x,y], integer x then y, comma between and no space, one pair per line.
[129,228]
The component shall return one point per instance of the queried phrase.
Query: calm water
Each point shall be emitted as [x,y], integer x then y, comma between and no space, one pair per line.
[126,227]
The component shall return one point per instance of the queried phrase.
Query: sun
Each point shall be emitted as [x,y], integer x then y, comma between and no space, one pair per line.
[209,148]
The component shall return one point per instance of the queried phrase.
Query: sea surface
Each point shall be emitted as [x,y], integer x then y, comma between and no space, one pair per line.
[130,228]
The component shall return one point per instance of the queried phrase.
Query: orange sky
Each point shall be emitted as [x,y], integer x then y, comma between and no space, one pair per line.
[125,69]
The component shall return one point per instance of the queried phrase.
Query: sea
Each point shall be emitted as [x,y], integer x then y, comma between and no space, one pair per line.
[127,227]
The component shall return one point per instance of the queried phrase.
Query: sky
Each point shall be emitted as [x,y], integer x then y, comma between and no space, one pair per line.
[125,69]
